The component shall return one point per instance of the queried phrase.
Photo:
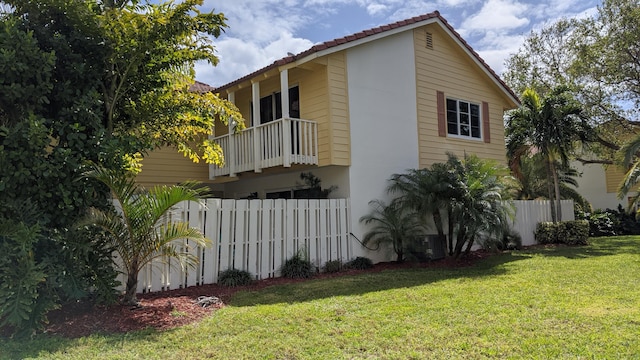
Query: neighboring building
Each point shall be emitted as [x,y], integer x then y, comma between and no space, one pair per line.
[353,111]
[599,185]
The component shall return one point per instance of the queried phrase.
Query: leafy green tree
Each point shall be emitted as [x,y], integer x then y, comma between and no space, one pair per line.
[596,58]
[552,126]
[94,81]
[394,225]
[101,82]
[139,231]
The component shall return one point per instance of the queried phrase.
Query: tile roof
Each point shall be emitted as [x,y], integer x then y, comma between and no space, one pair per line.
[370,32]
[201,87]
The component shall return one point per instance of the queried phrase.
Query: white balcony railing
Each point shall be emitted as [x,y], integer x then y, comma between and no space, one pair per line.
[277,143]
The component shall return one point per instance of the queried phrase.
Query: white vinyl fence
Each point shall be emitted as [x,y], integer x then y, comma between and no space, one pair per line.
[530,212]
[254,235]
[260,235]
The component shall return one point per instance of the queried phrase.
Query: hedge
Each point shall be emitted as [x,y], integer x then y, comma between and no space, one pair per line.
[574,232]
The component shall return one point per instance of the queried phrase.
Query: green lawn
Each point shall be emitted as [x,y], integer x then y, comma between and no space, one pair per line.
[581,302]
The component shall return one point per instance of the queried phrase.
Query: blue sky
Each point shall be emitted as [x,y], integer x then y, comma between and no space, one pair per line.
[262,31]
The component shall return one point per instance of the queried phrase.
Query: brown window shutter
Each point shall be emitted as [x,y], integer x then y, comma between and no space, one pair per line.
[486,134]
[442,121]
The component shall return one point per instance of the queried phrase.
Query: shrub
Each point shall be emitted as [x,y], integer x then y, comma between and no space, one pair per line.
[575,232]
[297,267]
[566,232]
[510,240]
[43,268]
[610,222]
[359,263]
[235,277]
[25,297]
[546,233]
[603,223]
[332,266]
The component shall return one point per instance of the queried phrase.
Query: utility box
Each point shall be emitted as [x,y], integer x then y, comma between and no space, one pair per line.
[437,247]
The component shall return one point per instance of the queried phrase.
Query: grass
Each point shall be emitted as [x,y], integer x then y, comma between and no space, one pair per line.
[568,302]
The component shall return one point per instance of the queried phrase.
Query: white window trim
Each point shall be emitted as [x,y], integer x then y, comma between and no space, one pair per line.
[458,136]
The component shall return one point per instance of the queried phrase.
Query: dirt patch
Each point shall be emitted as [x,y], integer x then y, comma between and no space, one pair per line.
[169,309]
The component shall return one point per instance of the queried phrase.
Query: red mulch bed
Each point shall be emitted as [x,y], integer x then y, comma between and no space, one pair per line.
[173,308]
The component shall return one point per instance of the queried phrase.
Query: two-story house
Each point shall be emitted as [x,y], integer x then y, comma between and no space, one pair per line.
[353,111]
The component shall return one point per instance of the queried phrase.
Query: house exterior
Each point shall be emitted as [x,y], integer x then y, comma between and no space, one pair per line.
[599,184]
[353,111]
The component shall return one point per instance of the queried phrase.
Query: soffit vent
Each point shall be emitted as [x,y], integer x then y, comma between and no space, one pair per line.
[429,42]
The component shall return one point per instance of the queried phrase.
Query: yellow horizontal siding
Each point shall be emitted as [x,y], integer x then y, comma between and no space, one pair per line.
[449,69]
[314,105]
[340,137]
[614,175]
[166,166]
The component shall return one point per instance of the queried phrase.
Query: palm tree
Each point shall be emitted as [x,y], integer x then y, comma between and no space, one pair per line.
[551,126]
[427,192]
[392,224]
[632,176]
[138,231]
[478,208]
[532,182]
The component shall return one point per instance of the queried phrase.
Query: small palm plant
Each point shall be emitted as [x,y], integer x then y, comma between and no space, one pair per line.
[392,224]
[138,231]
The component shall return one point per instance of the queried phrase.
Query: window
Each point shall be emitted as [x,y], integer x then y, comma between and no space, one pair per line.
[271,106]
[463,119]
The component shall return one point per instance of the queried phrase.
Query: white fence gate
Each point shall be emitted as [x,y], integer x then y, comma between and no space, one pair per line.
[254,235]
[530,212]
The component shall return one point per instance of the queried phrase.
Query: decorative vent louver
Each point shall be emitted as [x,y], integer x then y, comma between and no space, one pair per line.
[429,42]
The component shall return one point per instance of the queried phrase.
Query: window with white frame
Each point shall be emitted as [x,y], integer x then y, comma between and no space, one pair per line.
[463,119]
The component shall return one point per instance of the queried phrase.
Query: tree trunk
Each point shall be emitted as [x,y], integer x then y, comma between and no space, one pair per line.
[469,245]
[450,234]
[437,220]
[132,288]
[459,242]
[556,184]
[554,218]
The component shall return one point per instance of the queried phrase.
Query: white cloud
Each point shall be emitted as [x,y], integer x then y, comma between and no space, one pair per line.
[239,57]
[262,31]
[375,9]
[498,14]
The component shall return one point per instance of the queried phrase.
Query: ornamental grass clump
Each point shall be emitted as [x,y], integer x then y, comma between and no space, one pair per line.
[297,267]
[359,263]
[332,266]
[235,277]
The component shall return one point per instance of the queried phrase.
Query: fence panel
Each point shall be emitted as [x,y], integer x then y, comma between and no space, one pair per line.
[253,235]
[530,212]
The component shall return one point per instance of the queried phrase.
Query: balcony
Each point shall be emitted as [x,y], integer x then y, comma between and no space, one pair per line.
[281,142]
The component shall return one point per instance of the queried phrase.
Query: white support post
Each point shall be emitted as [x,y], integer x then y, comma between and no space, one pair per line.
[230,157]
[284,93]
[286,142]
[286,123]
[257,148]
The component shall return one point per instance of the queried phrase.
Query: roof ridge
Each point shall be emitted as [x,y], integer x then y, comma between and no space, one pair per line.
[370,32]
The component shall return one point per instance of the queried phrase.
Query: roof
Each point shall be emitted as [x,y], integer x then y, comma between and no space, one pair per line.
[408,23]
[201,87]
